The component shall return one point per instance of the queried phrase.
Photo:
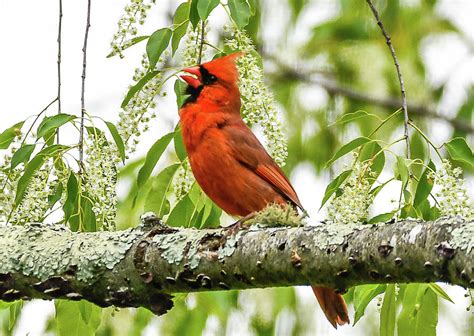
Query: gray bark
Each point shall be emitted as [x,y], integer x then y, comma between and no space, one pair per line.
[145,265]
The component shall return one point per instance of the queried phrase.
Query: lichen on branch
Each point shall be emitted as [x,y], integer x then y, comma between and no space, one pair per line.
[145,265]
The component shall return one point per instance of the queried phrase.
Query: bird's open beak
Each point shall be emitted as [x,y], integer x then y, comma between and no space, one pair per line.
[193,81]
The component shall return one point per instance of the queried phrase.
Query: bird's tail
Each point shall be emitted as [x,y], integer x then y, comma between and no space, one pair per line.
[332,304]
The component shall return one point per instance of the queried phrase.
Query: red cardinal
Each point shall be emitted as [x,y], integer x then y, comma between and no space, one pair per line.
[229,162]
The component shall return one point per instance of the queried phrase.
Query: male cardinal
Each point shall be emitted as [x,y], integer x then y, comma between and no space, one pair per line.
[229,162]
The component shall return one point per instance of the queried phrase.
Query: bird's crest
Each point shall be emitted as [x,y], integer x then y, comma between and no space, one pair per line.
[224,67]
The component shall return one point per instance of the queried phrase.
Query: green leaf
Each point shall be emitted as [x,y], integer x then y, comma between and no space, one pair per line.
[156,200]
[90,313]
[152,157]
[382,218]
[419,314]
[424,210]
[427,316]
[179,146]
[87,215]
[70,205]
[434,213]
[179,90]
[368,152]
[56,195]
[424,186]
[157,43]
[94,132]
[440,292]
[205,7]
[334,185]
[52,123]
[203,209]
[180,24]
[31,167]
[70,320]
[388,312]
[7,136]
[240,12]
[197,196]
[362,297]
[213,219]
[253,6]
[406,319]
[197,218]
[78,208]
[402,170]
[22,155]
[193,13]
[140,321]
[118,139]
[348,148]
[460,151]
[207,210]
[211,213]
[15,311]
[182,213]
[137,87]
[349,117]
[133,41]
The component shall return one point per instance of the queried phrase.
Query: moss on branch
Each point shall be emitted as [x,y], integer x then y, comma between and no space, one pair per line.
[145,265]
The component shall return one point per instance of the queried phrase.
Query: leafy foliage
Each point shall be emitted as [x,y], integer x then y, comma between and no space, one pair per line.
[347,51]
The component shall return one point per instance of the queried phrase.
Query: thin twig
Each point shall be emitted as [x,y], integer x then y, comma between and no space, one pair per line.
[202,42]
[60,22]
[388,40]
[83,87]
[36,119]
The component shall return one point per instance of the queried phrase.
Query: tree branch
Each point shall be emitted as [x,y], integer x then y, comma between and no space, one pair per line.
[143,266]
[332,87]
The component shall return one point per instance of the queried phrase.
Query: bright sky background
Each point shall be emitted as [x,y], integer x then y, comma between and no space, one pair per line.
[28,83]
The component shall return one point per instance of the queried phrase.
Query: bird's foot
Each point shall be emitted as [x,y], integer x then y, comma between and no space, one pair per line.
[240,224]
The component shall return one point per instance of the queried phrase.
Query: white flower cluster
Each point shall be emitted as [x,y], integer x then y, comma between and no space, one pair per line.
[135,117]
[192,45]
[258,104]
[135,12]
[100,176]
[35,205]
[8,182]
[353,205]
[452,197]
[183,181]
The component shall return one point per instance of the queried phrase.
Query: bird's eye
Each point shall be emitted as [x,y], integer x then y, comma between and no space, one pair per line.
[207,77]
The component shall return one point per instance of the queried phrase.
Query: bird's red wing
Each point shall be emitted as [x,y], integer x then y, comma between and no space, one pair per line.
[275,176]
[250,153]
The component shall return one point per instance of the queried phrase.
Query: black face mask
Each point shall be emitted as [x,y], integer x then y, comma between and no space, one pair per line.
[207,79]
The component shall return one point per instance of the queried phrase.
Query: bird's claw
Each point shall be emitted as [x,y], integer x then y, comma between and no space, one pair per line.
[240,224]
